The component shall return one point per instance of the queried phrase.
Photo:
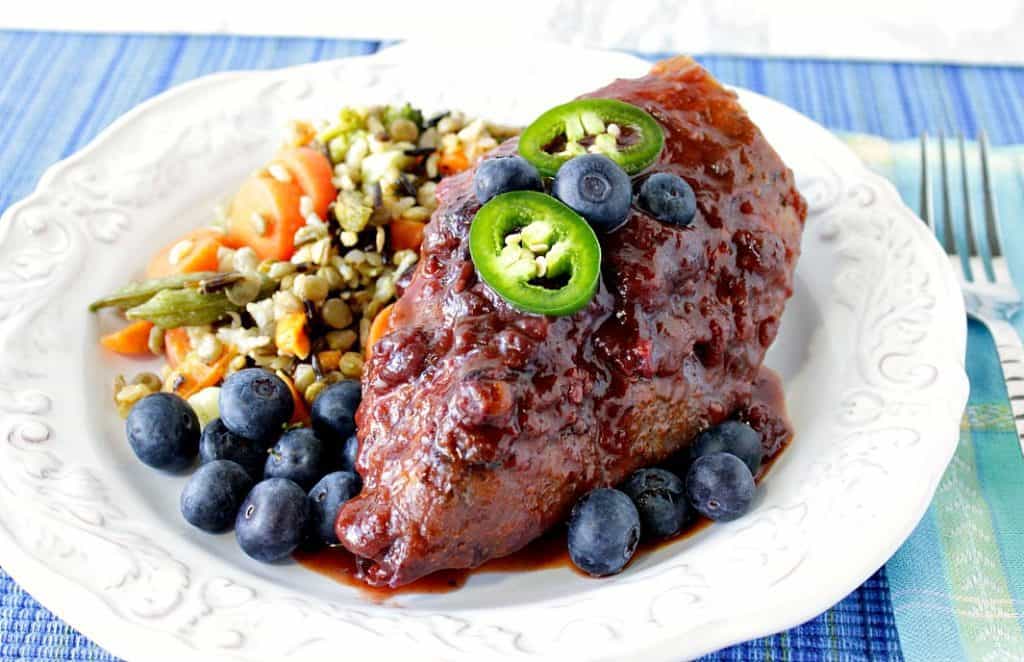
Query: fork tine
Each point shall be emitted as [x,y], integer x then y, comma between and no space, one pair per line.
[970,227]
[991,213]
[927,208]
[948,237]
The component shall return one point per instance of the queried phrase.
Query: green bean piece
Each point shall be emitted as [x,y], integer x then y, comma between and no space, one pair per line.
[171,308]
[137,293]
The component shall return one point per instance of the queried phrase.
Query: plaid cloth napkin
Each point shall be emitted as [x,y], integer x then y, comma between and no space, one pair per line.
[957,585]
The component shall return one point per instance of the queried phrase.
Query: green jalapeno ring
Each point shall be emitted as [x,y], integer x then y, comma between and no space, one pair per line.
[589,119]
[513,230]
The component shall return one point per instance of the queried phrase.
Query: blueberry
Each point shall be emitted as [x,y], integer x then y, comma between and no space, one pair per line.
[334,410]
[732,437]
[347,457]
[272,519]
[660,499]
[720,486]
[668,198]
[163,431]
[212,495]
[298,456]
[219,443]
[604,529]
[325,500]
[596,188]
[255,403]
[501,175]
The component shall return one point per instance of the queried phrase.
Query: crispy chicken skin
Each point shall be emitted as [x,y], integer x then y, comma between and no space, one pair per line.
[481,425]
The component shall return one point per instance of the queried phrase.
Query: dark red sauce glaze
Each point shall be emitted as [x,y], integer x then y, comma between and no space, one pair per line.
[766,412]
[481,425]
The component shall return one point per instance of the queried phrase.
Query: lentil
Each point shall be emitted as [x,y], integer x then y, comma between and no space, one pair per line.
[351,364]
[127,396]
[310,287]
[404,130]
[149,380]
[341,340]
[313,390]
[304,376]
[331,275]
[336,314]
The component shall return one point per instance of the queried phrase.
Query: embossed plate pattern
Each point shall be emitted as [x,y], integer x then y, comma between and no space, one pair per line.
[871,350]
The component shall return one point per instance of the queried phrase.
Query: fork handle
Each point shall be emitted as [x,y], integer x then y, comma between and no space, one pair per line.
[1011,358]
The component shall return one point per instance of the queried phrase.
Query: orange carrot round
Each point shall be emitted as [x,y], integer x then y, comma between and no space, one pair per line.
[290,335]
[131,340]
[406,234]
[378,328]
[313,173]
[300,414]
[264,216]
[454,162]
[199,254]
[192,375]
[176,346]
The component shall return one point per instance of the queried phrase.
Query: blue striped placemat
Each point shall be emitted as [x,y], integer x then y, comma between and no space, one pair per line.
[57,91]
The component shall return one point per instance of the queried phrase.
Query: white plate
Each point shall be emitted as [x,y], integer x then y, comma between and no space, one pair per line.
[871,351]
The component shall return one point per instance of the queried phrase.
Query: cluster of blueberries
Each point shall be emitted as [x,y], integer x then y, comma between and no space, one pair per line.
[717,481]
[278,486]
[595,187]
[282,487]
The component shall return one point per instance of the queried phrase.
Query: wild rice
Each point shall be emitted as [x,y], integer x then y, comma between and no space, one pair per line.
[386,164]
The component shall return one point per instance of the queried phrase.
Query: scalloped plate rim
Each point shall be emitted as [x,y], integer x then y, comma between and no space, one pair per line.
[102,623]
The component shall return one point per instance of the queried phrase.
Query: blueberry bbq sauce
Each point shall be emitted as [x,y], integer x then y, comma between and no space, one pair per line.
[766,413]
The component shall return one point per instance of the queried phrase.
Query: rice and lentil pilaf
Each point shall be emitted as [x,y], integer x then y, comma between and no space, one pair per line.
[308,317]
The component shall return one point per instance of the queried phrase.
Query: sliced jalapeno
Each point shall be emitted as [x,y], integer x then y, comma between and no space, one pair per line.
[627,134]
[536,253]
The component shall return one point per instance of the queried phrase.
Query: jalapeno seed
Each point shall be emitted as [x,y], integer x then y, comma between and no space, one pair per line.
[625,133]
[534,252]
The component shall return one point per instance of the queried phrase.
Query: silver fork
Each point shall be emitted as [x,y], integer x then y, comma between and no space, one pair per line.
[989,293]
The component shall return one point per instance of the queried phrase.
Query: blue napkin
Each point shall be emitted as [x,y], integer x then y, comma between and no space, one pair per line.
[957,584]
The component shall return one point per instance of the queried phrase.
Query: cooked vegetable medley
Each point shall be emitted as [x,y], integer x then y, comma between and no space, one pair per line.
[293,274]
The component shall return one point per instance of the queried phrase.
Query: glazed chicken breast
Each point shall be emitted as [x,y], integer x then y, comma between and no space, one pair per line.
[481,425]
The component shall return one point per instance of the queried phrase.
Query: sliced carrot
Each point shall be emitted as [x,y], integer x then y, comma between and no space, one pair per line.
[378,328]
[406,234]
[192,375]
[176,346]
[264,216]
[300,414]
[453,162]
[290,335]
[199,255]
[313,173]
[132,339]
[329,359]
